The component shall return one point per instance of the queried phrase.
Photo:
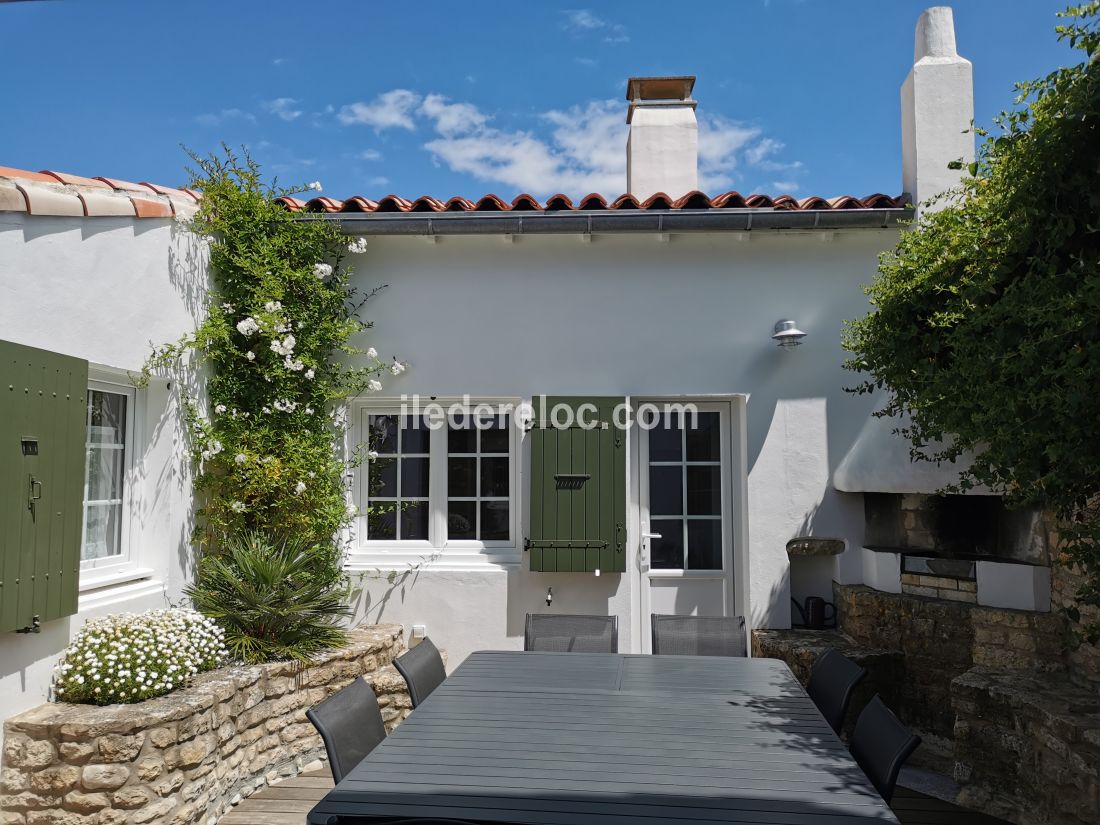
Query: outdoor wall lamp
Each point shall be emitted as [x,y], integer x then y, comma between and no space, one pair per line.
[787,335]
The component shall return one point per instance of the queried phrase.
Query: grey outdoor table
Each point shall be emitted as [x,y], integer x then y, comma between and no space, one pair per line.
[591,738]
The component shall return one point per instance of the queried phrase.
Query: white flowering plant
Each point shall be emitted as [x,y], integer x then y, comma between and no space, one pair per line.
[281,344]
[129,657]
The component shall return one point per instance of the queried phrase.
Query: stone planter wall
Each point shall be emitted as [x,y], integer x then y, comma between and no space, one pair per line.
[186,757]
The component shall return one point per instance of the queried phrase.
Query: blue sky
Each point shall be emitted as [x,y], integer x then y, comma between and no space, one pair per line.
[464,98]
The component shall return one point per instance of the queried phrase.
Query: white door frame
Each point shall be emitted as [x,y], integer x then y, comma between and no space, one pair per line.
[735,504]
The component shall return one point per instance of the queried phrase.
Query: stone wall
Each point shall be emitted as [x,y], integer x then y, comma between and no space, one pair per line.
[186,757]
[1083,661]
[1027,747]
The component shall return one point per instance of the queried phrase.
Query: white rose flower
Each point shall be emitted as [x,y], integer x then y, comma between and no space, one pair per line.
[293,365]
[248,327]
[316,186]
[250,355]
[372,352]
[220,409]
[310,373]
[240,458]
[273,306]
[266,410]
[358,246]
[237,507]
[284,346]
[299,488]
[397,368]
[374,385]
[322,271]
[372,454]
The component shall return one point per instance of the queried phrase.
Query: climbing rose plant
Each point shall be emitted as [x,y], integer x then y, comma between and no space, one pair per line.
[987,329]
[274,346]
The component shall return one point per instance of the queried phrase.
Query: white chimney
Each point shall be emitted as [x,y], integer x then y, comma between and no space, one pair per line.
[662,151]
[937,107]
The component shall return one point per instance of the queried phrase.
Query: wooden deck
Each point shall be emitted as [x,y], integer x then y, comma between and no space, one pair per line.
[288,803]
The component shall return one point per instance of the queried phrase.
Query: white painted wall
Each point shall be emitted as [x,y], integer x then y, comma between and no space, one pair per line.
[102,289]
[630,315]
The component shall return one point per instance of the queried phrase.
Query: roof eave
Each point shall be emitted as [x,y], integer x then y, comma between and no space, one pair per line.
[585,222]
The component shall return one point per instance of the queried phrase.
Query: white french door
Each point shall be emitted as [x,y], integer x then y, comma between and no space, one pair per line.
[686,497]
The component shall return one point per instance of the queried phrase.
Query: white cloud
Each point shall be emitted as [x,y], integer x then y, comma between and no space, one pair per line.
[452,118]
[585,150]
[283,108]
[583,20]
[378,181]
[392,109]
[585,61]
[784,187]
[217,118]
[278,61]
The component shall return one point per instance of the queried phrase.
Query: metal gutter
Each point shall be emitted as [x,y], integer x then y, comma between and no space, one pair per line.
[590,222]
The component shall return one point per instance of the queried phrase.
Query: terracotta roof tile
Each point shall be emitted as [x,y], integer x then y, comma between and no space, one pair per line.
[51,192]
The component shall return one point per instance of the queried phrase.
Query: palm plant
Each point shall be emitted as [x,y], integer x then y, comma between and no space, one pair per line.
[275,599]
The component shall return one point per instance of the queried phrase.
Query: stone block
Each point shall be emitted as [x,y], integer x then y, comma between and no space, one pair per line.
[14,781]
[115,748]
[55,780]
[12,818]
[158,809]
[130,797]
[111,817]
[104,777]
[24,801]
[23,752]
[165,736]
[926,592]
[149,768]
[85,803]
[56,816]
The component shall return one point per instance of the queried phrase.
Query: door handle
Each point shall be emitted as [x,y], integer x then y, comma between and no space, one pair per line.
[36,489]
[646,537]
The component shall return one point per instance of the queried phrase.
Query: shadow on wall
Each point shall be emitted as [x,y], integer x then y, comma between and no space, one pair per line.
[19,652]
[188,262]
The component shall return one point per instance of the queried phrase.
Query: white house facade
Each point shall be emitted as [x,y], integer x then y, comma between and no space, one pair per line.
[501,309]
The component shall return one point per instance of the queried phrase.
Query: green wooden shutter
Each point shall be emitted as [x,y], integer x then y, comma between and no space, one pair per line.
[578,491]
[43,410]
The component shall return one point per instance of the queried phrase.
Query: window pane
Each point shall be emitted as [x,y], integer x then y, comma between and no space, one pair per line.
[704,442]
[495,439]
[462,519]
[462,477]
[414,435]
[414,478]
[667,552]
[414,520]
[383,433]
[102,531]
[664,440]
[104,474]
[705,544]
[383,478]
[106,417]
[704,491]
[666,491]
[494,520]
[494,477]
[461,436]
[382,521]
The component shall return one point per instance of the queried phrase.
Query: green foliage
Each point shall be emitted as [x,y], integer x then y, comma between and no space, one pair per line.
[274,600]
[987,329]
[279,320]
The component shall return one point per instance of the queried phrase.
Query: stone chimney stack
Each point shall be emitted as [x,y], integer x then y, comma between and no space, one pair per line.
[937,108]
[662,151]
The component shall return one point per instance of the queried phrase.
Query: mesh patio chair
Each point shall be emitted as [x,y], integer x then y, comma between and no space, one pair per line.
[422,669]
[555,632]
[350,725]
[832,681]
[880,745]
[699,635]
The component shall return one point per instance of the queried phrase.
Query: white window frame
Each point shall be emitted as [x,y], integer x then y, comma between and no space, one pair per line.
[438,550]
[108,570]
